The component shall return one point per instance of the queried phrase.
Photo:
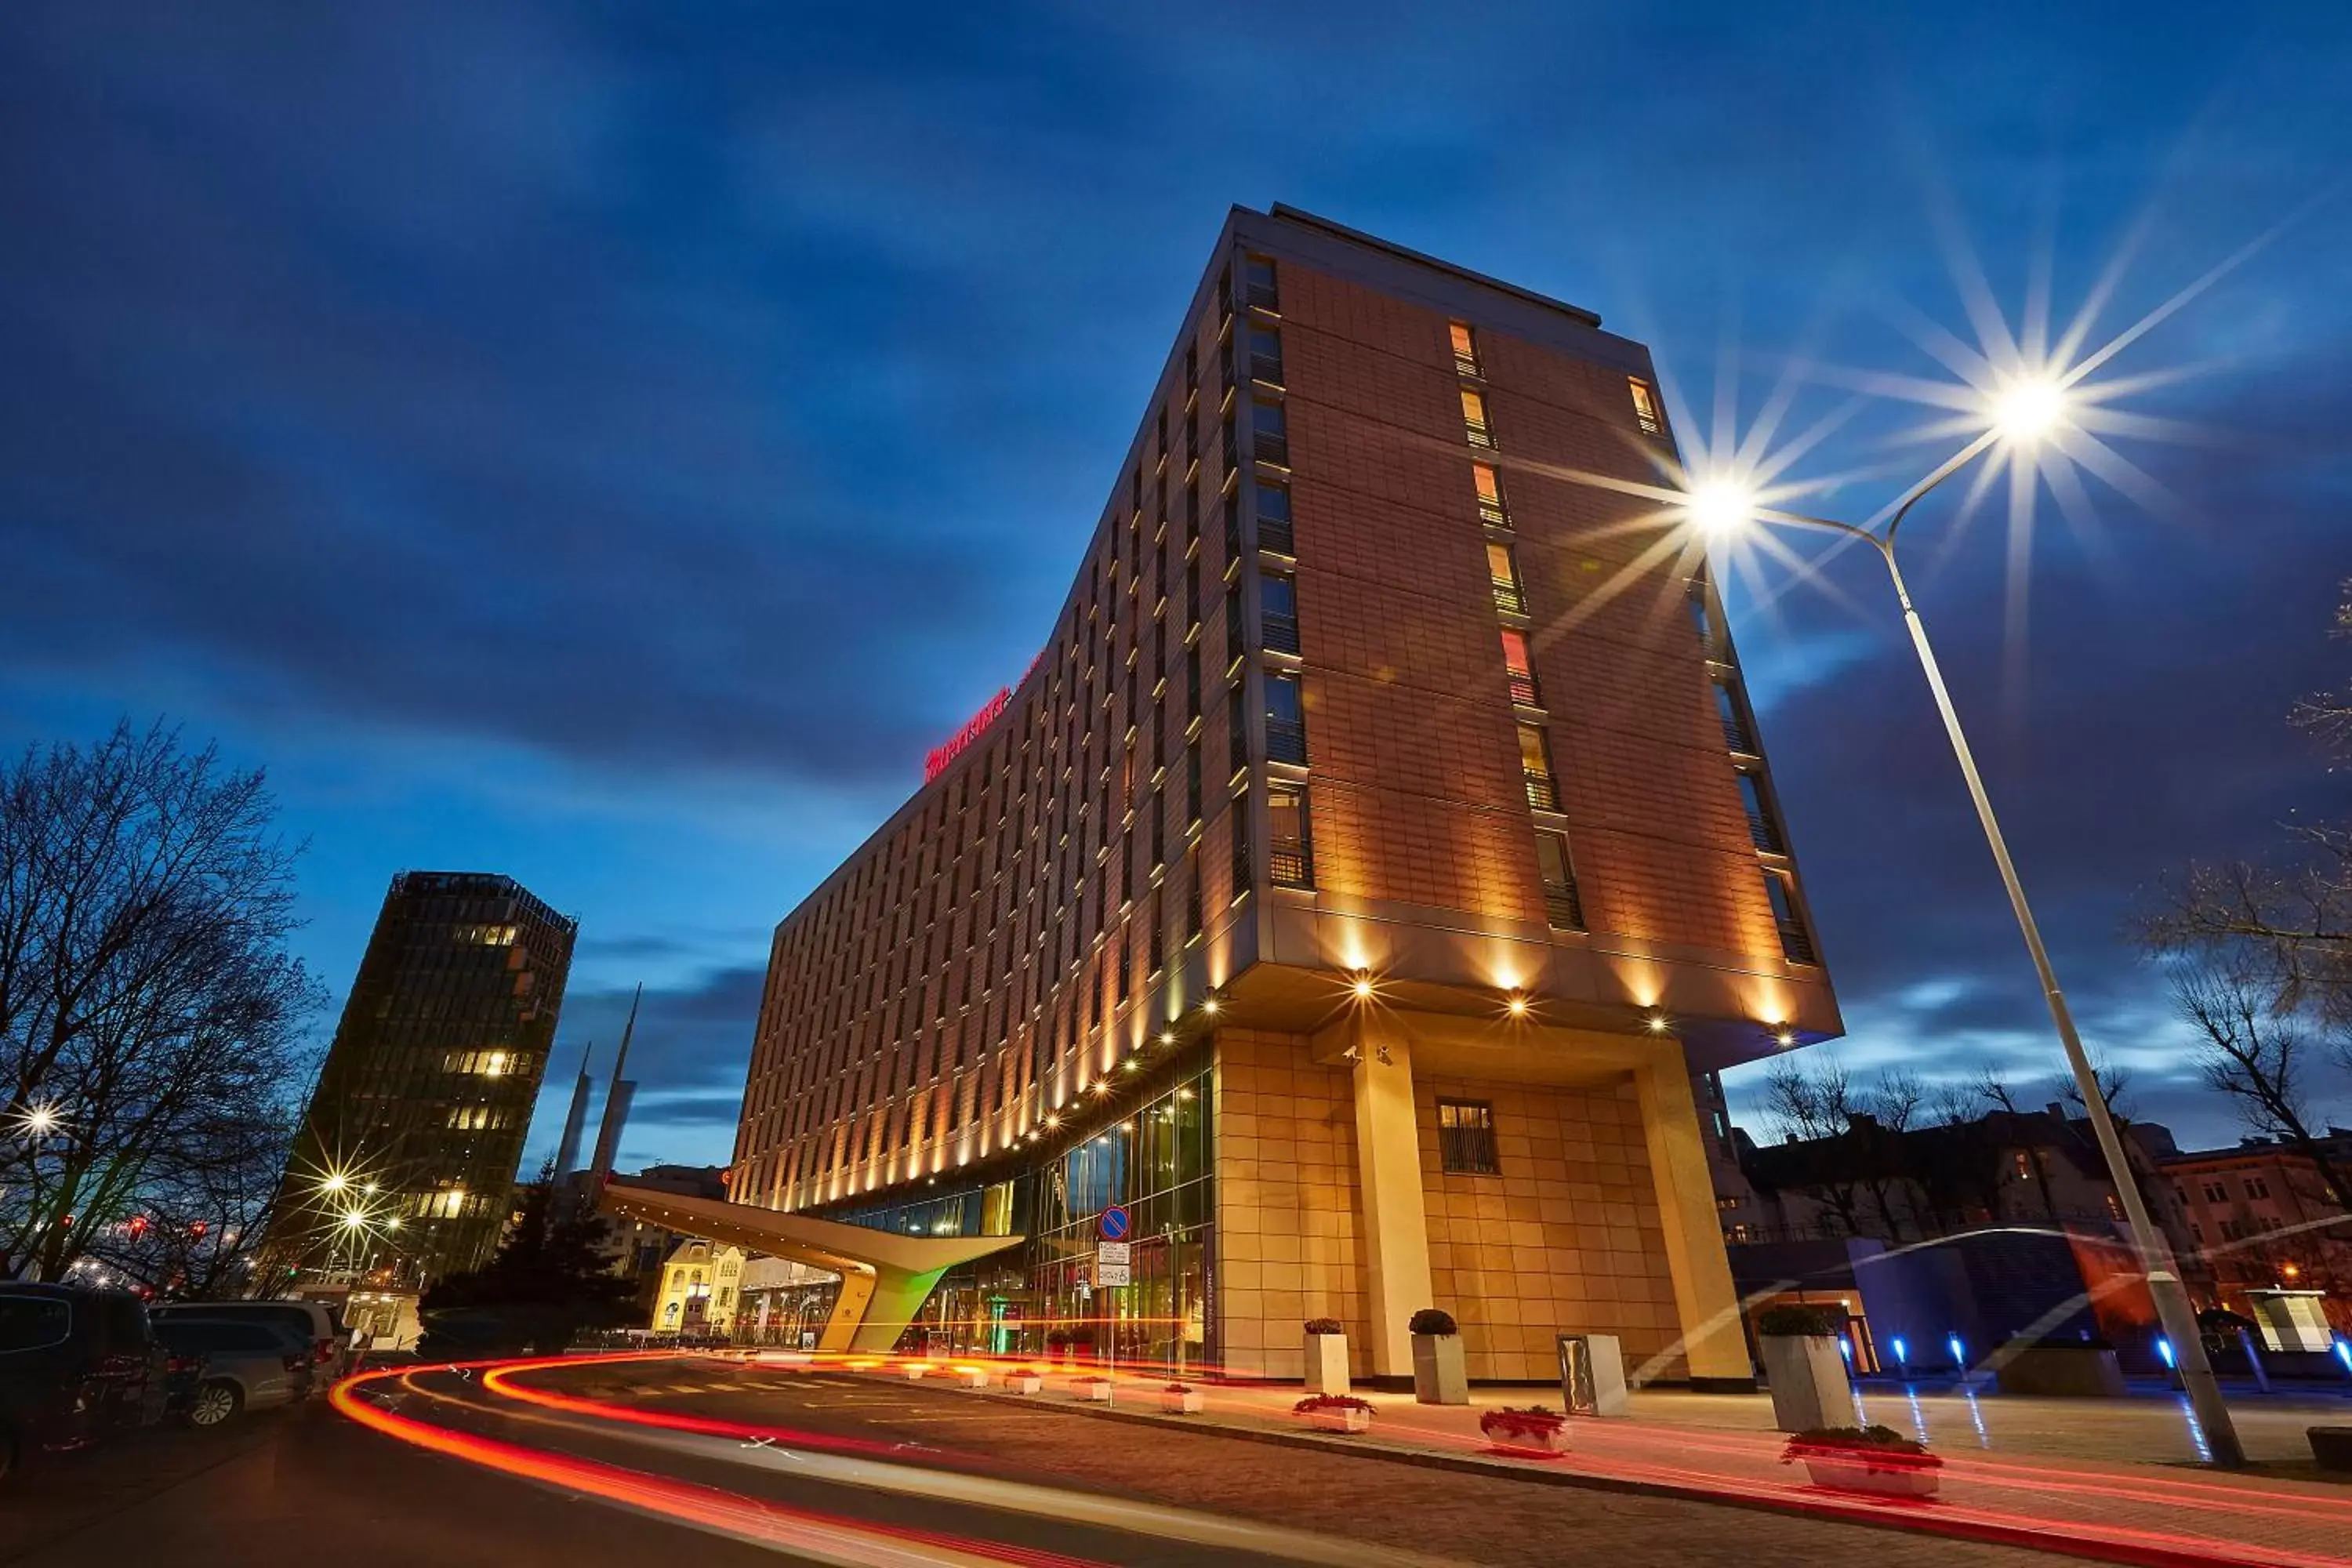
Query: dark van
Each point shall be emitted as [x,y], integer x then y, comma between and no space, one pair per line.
[76,1366]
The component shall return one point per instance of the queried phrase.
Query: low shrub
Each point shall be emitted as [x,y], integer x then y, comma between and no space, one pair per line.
[1323,1326]
[1433,1320]
[1177,1388]
[1795,1321]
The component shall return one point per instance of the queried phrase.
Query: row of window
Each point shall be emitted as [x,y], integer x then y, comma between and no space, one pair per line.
[1077,831]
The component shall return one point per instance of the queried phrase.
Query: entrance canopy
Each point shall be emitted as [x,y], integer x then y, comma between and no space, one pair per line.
[885,1276]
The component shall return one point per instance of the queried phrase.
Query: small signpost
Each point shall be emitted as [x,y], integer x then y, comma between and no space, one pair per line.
[1114,1259]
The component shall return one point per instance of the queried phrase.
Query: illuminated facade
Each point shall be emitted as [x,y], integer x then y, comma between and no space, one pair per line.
[425,1096]
[1379,842]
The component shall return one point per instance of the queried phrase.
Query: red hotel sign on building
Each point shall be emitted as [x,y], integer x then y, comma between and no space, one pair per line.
[974,728]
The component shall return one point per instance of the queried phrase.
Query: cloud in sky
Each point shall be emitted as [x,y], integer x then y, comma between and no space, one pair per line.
[610,447]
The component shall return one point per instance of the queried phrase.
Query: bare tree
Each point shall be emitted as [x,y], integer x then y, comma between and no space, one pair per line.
[2254,1052]
[2296,918]
[149,1012]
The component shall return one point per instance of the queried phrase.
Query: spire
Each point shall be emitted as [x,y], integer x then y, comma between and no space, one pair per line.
[617,1101]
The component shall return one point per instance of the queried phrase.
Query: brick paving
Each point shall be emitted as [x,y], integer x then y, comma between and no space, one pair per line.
[1466,1518]
[1497,1517]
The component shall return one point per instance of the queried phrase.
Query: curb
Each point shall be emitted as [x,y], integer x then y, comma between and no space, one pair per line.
[1819,1509]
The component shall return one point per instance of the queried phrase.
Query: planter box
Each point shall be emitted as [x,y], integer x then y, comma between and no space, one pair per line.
[1864,1473]
[2064,1372]
[782,1358]
[1548,1444]
[1326,1363]
[1339,1420]
[2331,1447]
[1189,1402]
[1438,1377]
[1024,1382]
[1091,1389]
[913,1373]
[973,1376]
[1810,1387]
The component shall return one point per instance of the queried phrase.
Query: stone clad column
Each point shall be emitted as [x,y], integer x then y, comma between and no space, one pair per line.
[1388,1184]
[1706,1304]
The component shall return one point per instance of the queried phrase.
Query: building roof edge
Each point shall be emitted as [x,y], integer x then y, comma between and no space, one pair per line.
[1289,214]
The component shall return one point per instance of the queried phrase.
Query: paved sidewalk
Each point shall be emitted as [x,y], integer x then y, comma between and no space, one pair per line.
[2014,1469]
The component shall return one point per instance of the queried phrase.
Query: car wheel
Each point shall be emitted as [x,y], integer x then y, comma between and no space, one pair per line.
[214,1404]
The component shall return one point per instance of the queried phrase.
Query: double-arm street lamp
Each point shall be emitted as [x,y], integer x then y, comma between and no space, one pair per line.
[2026,412]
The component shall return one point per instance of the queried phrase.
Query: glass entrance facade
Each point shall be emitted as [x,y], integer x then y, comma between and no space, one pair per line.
[1039,1297]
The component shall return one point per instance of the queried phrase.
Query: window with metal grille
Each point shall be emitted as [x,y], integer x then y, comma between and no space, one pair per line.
[1466,1137]
[1286,720]
[1273,518]
[1729,708]
[1259,288]
[1193,891]
[1238,824]
[1290,841]
[1277,601]
[1465,348]
[1763,823]
[1702,614]
[1270,434]
[1475,422]
[1535,764]
[1236,730]
[1796,942]
[1503,567]
[1266,355]
[1521,674]
[1563,908]
[1645,407]
[1490,486]
[1235,633]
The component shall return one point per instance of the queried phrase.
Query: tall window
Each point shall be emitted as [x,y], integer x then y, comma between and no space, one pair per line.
[1473,419]
[1490,486]
[1465,349]
[1273,518]
[1796,942]
[1736,732]
[1237,822]
[1535,763]
[1286,720]
[1290,844]
[1645,407]
[1763,823]
[1277,599]
[1270,434]
[1702,614]
[1466,1137]
[1258,284]
[1563,908]
[1266,354]
[1503,567]
[1521,673]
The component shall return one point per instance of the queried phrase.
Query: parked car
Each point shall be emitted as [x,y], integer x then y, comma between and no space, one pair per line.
[242,1366]
[76,1366]
[319,1325]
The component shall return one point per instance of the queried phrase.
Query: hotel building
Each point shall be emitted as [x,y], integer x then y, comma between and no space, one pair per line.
[1353,887]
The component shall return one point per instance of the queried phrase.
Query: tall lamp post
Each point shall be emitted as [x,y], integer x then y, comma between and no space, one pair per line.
[2024,412]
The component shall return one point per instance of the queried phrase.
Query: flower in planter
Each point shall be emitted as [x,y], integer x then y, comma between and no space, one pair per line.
[1433,1320]
[1177,1388]
[1323,1326]
[1320,1404]
[1878,1446]
[1531,1423]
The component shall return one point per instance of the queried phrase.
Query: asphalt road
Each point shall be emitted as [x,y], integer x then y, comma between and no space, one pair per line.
[863,1470]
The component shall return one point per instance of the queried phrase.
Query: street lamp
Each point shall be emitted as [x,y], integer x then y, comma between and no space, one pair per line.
[2023,411]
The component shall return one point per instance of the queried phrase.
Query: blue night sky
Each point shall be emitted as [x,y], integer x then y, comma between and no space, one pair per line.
[609,443]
